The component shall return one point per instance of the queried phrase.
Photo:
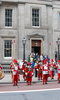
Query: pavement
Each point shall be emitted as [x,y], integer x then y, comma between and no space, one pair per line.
[8,79]
[6,84]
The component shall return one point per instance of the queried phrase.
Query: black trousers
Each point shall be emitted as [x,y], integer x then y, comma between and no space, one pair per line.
[35,73]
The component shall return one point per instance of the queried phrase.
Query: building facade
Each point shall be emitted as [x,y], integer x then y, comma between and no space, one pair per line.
[36,20]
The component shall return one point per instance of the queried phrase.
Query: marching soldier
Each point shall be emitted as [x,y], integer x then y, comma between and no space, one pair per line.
[15,72]
[58,71]
[52,68]
[45,73]
[29,75]
[51,71]
[24,70]
[39,73]
[39,70]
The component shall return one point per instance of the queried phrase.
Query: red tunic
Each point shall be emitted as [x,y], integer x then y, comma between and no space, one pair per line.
[39,71]
[45,74]
[59,73]
[29,77]
[23,70]
[15,75]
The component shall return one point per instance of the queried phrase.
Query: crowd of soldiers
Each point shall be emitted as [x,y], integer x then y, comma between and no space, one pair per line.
[34,66]
[42,69]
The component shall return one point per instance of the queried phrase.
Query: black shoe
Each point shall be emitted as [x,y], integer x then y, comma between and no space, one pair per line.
[13,84]
[45,83]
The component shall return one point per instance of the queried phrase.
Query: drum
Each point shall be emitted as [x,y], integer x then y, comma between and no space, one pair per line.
[1,75]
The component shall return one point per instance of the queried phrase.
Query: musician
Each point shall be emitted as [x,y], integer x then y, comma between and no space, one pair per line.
[24,70]
[58,71]
[45,73]
[39,70]
[15,72]
[1,73]
[29,75]
[51,69]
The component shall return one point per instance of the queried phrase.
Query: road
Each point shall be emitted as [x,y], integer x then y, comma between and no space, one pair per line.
[36,95]
[37,91]
[35,86]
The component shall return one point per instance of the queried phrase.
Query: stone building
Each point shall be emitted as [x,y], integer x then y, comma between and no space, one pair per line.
[36,20]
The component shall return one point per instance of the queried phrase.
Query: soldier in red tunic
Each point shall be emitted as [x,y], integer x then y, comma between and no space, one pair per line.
[15,72]
[45,73]
[51,72]
[24,70]
[39,74]
[38,67]
[58,71]
[1,67]
[12,68]
[29,75]
[15,77]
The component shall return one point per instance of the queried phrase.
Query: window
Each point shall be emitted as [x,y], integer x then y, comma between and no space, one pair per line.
[8,17]
[35,17]
[7,48]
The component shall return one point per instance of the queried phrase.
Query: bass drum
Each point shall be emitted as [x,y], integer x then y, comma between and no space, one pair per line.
[1,75]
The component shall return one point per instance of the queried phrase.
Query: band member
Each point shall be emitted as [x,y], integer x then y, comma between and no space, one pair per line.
[15,72]
[45,73]
[0,67]
[39,70]
[36,64]
[51,71]
[39,74]
[29,75]
[24,70]
[58,71]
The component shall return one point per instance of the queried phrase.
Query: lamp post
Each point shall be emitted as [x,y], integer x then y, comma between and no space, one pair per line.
[24,43]
[58,43]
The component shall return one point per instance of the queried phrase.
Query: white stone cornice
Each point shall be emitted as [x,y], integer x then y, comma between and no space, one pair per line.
[56,2]
[42,2]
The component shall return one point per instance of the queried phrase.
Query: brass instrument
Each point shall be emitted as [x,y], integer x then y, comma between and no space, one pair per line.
[1,74]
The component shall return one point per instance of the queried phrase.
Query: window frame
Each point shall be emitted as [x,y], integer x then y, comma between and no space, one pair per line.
[8,26]
[39,17]
[4,48]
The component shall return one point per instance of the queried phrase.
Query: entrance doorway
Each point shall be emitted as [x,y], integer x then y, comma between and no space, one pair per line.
[36,50]
[36,46]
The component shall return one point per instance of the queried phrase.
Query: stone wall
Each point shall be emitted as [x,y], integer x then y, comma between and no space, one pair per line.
[22,26]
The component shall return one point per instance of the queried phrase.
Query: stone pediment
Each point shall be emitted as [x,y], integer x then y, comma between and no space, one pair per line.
[35,36]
